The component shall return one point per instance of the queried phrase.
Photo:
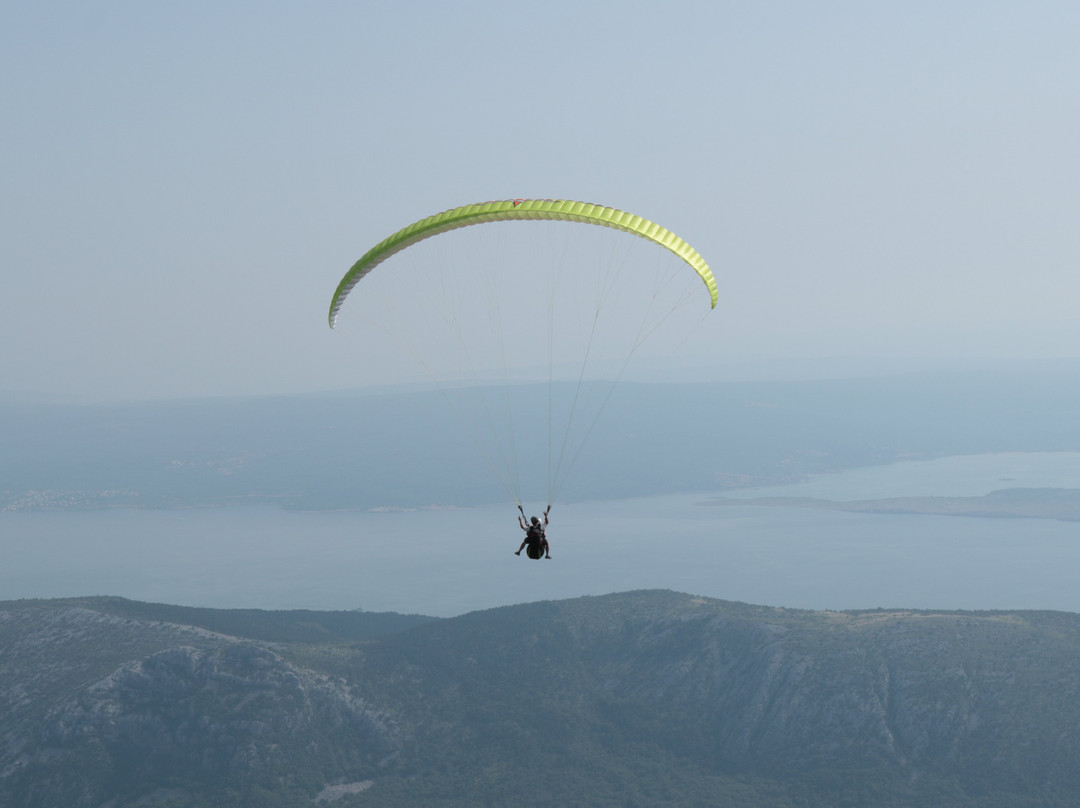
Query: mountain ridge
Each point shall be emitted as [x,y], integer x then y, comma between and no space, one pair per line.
[630,699]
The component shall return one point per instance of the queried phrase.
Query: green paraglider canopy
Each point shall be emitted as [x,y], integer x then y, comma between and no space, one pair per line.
[521,210]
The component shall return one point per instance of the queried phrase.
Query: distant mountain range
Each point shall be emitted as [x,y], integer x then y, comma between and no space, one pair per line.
[637,699]
[407,448]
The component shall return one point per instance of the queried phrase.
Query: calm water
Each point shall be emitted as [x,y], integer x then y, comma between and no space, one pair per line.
[449,562]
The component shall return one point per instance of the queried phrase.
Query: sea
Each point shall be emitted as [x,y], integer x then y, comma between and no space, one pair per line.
[446,562]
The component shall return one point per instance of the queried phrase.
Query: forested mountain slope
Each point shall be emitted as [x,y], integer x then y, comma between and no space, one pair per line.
[641,698]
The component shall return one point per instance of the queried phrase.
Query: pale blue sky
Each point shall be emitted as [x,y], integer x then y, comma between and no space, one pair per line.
[184,184]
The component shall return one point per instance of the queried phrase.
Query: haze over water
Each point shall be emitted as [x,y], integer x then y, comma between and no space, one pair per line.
[953,476]
[449,562]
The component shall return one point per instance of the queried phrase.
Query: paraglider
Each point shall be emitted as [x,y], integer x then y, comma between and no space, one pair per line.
[566,432]
[535,535]
[520,209]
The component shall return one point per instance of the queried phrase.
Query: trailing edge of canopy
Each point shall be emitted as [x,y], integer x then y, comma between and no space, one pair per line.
[520,209]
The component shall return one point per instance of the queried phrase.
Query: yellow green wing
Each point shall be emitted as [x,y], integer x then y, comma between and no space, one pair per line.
[520,209]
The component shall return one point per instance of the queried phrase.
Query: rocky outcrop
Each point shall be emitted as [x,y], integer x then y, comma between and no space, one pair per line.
[209,709]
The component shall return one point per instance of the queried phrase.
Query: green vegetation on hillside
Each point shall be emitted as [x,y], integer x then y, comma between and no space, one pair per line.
[637,699]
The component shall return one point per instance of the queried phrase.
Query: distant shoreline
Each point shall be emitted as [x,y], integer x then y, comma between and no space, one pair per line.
[1008,503]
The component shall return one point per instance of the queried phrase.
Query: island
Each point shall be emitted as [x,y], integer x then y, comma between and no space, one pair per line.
[1010,503]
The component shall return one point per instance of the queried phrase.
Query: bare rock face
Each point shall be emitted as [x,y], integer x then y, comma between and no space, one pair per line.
[219,711]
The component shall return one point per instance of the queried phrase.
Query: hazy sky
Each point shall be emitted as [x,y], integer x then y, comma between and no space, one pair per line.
[184,184]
